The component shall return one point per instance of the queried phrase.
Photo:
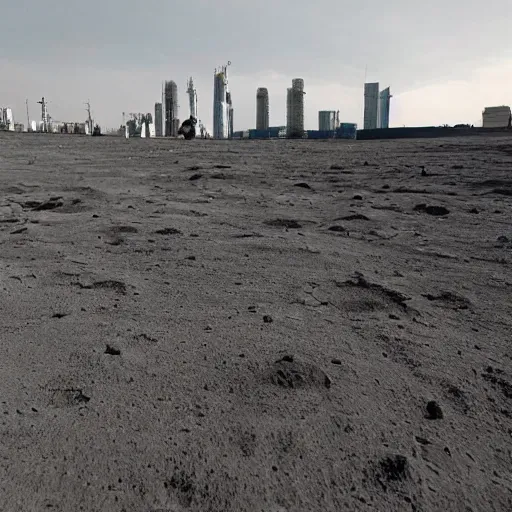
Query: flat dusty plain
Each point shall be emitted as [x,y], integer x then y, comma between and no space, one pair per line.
[270,326]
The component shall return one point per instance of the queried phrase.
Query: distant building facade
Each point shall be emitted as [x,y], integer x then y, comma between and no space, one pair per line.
[222,107]
[6,119]
[328,120]
[371,106]
[295,109]
[496,117]
[158,120]
[171,125]
[262,109]
[384,106]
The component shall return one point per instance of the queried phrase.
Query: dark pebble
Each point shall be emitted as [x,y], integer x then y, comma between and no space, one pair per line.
[268,319]
[336,361]
[434,411]
[358,197]
[287,358]
[111,351]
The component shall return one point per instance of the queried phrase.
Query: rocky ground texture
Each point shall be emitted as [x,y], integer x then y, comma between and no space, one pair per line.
[271,326]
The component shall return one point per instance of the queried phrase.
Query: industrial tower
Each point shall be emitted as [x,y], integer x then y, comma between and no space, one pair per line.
[44,115]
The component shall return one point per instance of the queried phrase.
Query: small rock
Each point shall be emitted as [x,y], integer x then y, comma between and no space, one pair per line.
[337,229]
[385,187]
[457,167]
[59,315]
[287,359]
[434,411]
[336,361]
[111,351]
[302,185]
[268,319]
[423,172]
[358,197]
[366,164]
[191,258]
[394,317]
[503,239]
[195,177]
[18,231]
[473,210]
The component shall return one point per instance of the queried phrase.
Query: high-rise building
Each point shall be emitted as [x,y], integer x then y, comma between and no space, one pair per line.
[221,106]
[230,115]
[371,106]
[192,98]
[496,117]
[262,109]
[328,120]
[6,119]
[171,109]
[384,104]
[158,120]
[295,109]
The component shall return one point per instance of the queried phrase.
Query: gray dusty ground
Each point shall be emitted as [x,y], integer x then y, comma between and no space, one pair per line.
[202,287]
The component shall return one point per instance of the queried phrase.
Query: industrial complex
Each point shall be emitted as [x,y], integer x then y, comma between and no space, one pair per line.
[164,121]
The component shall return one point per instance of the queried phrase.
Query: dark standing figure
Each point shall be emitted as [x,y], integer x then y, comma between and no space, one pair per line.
[188,128]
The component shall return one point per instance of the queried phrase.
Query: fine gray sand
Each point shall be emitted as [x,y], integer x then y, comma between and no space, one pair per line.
[278,315]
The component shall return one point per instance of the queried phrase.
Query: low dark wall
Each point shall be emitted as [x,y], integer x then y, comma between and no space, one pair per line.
[427,132]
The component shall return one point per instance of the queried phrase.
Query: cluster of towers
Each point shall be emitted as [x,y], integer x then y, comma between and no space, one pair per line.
[294,109]
[376,106]
[167,122]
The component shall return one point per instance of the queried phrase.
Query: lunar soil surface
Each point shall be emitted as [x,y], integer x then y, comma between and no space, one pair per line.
[268,326]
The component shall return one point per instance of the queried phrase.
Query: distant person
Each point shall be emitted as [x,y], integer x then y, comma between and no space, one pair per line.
[188,128]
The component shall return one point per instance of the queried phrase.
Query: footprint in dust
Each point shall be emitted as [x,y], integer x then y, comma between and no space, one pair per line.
[449,299]
[360,295]
[283,223]
[288,373]
[68,397]
[117,286]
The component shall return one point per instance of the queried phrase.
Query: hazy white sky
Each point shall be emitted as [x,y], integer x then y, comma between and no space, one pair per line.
[445,60]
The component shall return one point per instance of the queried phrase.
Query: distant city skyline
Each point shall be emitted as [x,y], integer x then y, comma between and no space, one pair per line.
[440,71]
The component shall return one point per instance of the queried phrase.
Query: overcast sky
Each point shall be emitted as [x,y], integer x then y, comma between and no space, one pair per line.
[445,60]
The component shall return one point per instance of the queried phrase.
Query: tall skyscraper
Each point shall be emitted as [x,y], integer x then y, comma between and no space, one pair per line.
[192,97]
[384,104]
[171,109]
[158,120]
[230,115]
[295,109]
[221,106]
[262,109]
[328,120]
[371,105]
